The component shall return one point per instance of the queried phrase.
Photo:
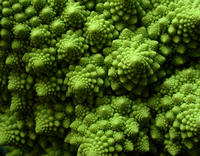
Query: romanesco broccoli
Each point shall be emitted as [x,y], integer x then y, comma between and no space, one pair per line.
[100,77]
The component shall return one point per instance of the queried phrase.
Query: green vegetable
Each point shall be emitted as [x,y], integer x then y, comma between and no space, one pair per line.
[100,77]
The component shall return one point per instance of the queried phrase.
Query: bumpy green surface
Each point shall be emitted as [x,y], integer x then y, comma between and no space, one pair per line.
[100,77]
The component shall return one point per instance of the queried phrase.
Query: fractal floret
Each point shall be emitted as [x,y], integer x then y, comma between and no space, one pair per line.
[100,77]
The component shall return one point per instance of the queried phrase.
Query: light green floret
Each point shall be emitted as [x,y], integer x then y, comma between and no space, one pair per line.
[45,88]
[58,27]
[177,107]
[14,130]
[4,44]
[140,112]
[30,12]
[18,46]
[108,129]
[47,15]
[88,3]
[181,126]
[186,122]
[99,32]
[5,36]
[23,3]
[71,47]
[21,31]
[20,17]
[38,4]
[51,85]
[157,18]
[13,60]
[74,15]
[84,82]
[121,104]
[124,12]
[90,74]
[21,102]
[40,60]
[183,82]
[96,59]
[18,82]
[176,25]
[134,63]
[6,24]
[40,36]
[35,21]
[52,118]
[156,3]
[57,5]
[186,26]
